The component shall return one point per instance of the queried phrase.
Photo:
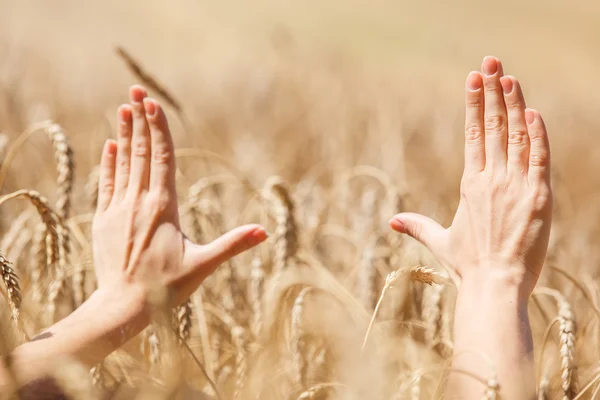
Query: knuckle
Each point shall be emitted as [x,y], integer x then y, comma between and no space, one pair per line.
[541,198]
[107,188]
[539,159]
[473,101]
[467,184]
[536,135]
[161,155]
[141,148]
[473,133]
[160,200]
[123,164]
[495,124]
[517,137]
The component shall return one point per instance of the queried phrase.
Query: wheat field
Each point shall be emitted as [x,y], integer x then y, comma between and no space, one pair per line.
[319,120]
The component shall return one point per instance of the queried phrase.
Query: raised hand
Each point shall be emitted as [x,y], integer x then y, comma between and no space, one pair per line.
[502,225]
[496,245]
[137,240]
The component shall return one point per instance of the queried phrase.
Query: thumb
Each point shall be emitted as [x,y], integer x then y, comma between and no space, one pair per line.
[421,228]
[206,258]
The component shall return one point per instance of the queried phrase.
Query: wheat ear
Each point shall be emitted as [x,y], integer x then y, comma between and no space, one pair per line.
[567,329]
[255,292]
[13,290]
[241,365]
[297,337]
[366,277]
[286,233]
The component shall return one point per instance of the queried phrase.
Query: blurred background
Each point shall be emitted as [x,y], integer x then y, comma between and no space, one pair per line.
[312,88]
[358,106]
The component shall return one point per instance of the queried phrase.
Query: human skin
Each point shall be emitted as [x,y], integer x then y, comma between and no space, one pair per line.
[497,242]
[137,245]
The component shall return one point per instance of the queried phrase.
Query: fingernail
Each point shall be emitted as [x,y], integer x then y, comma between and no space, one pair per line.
[257,236]
[529,116]
[507,84]
[110,146]
[124,114]
[137,94]
[397,225]
[474,81]
[489,66]
[150,107]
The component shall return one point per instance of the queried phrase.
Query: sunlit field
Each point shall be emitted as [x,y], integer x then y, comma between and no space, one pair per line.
[319,120]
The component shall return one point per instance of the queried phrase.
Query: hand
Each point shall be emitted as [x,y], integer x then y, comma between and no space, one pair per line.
[502,225]
[137,240]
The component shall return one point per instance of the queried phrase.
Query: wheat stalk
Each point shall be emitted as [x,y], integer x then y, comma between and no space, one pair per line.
[137,69]
[389,282]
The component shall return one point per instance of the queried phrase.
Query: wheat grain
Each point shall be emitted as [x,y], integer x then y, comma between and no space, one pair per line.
[184,320]
[492,389]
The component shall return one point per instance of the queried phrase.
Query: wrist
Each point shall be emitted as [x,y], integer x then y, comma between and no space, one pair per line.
[497,283]
[124,311]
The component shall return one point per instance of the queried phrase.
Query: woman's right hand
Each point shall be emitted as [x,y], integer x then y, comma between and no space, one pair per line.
[502,225]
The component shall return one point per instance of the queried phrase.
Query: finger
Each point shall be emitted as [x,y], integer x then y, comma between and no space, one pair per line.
[140,145]
[539,152]
[162,166]
[424,229]
[494,115]
[123,150]
[106,178]
[518,139]
[474,129]
[204,259]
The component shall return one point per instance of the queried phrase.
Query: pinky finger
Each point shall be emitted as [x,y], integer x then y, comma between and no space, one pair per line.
[106,178]
[539,153]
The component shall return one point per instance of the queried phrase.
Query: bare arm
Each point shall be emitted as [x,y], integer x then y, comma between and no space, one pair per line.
[102,324]
[496,245]
[136,241]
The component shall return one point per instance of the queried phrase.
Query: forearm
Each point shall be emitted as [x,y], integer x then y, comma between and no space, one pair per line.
[101,325]
[492,339]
